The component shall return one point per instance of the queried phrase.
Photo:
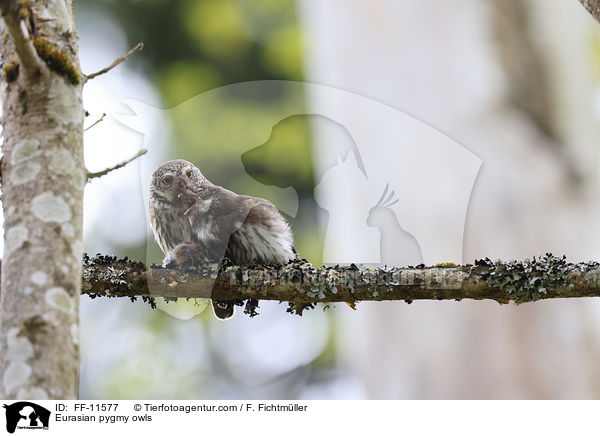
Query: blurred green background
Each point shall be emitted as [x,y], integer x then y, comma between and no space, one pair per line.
[194,46]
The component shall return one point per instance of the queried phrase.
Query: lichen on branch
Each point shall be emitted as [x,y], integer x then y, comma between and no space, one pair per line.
[302,284]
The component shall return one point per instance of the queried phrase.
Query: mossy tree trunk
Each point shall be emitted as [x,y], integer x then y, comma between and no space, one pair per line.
[43,177]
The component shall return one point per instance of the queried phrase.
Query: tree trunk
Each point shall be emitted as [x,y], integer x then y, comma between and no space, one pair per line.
[43,177]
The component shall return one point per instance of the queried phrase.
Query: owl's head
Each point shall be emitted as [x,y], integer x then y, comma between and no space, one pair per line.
[176,178]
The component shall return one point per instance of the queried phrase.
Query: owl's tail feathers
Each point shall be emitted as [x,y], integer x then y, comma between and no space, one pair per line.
[223,309]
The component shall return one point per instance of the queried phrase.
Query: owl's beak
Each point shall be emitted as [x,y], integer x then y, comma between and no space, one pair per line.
[182,187]
[189,202]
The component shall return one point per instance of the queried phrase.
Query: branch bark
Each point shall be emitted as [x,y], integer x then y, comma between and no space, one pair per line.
[119,60]
[593,7]
[301,283]
[104,172]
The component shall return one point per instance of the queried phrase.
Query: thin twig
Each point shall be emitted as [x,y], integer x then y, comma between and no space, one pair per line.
[11,12]
[138,47]
[90,176]
[99,120]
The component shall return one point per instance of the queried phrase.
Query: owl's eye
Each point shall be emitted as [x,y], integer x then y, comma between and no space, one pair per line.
[167,180]
[189,174]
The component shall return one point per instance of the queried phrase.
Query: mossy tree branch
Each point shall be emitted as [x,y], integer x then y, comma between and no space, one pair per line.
[13,13]
[301,284]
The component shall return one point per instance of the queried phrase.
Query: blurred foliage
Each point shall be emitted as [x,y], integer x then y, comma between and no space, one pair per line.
[194,46]
[595,48]
[225,41]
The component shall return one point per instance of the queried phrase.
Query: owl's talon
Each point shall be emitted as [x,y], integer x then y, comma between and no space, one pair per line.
[185,254]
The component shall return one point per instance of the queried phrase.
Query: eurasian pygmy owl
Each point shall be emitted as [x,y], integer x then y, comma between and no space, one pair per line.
[192,217]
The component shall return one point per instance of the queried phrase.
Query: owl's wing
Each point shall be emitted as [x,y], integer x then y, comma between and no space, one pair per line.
[249,228]
[217,213]
[258,210]
[264,235]
[236,210]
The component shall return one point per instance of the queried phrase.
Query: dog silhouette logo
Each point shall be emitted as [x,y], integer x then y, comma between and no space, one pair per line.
[26,415]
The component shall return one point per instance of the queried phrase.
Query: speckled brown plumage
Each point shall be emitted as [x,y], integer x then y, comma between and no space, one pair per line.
[193,218]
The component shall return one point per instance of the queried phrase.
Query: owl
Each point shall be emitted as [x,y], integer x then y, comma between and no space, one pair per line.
[192,218]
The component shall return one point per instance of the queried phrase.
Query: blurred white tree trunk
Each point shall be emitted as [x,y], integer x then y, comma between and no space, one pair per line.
[513,82]
[43,176]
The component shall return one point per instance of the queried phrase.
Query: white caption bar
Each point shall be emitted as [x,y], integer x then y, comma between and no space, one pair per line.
[332,418]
